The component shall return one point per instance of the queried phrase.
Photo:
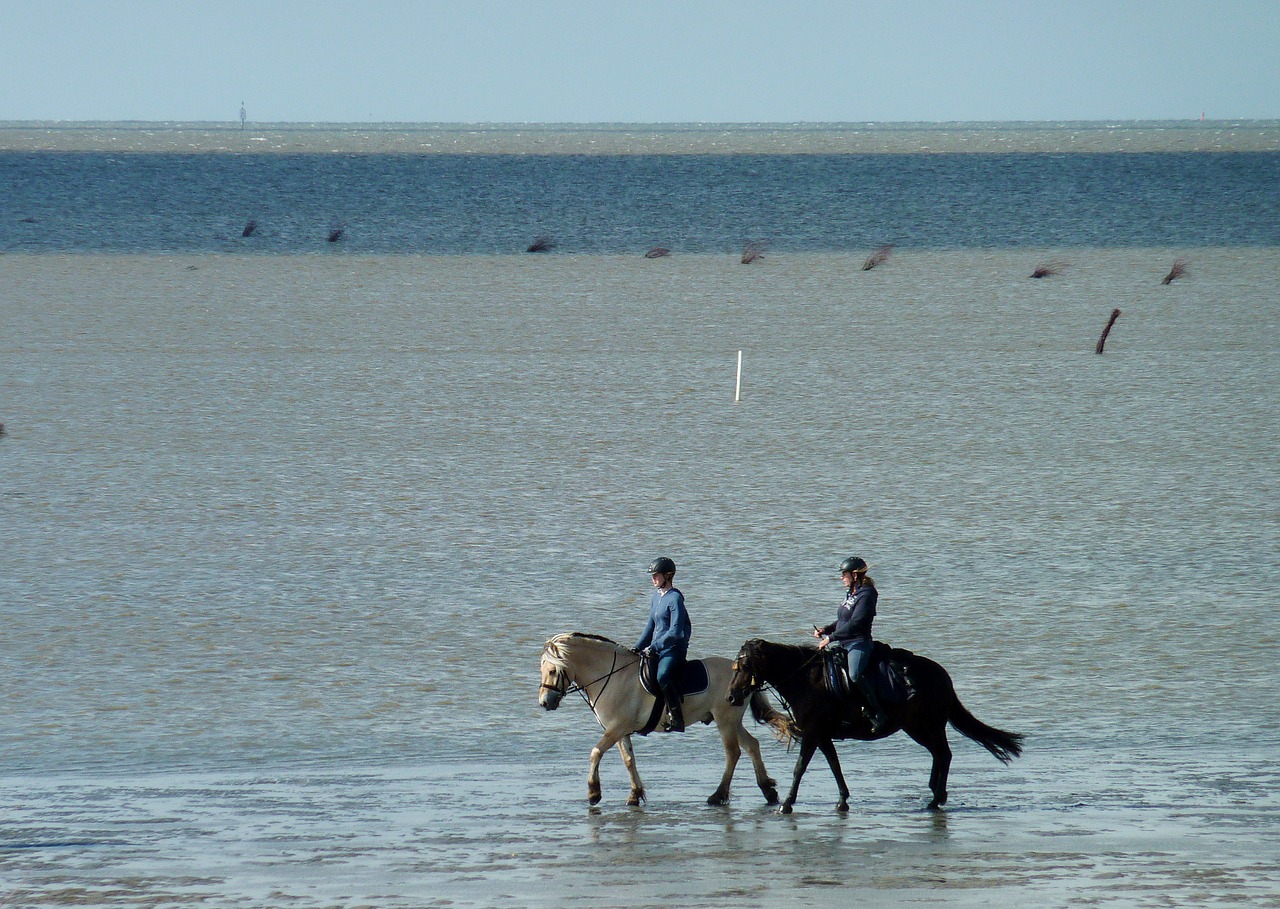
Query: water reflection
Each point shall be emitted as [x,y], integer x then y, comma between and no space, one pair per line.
[613,828]
[936,830]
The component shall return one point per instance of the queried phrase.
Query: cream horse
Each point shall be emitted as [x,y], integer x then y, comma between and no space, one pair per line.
[608,676]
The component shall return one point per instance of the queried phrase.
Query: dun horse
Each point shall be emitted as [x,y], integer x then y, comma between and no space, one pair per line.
[608,676]
[797,675]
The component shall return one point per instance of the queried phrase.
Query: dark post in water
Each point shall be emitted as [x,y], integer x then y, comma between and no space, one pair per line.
[1115,314]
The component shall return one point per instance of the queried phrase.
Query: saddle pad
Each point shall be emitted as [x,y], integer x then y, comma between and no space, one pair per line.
[693,680]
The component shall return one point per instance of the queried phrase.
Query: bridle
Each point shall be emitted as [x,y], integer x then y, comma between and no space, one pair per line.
[557,673]
[753,684]
[563,686]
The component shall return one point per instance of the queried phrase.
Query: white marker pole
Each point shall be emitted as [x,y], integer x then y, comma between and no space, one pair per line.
[737,389]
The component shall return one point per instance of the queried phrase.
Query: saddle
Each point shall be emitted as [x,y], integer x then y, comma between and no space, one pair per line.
[693,680]
[886,671]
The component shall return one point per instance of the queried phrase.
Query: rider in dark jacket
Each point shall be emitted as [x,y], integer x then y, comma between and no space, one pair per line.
[851,631]
[667,634]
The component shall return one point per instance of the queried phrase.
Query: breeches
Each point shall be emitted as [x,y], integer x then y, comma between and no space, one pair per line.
[670,666]
[859,655]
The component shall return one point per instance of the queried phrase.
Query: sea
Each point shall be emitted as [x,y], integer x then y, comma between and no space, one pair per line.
[305,455]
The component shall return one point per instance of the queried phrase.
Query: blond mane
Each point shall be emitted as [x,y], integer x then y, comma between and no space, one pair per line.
[555,651]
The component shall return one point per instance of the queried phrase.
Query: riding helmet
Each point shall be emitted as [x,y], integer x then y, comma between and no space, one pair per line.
[854,564]
[662,565]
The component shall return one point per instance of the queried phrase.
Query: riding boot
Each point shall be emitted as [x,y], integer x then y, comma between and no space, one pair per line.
[675,715]
[875,712]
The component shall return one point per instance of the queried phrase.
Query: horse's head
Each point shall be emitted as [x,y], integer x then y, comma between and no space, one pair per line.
[555,677]
[746,674]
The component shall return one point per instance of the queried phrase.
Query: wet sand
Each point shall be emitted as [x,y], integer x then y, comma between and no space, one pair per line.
[1131,831]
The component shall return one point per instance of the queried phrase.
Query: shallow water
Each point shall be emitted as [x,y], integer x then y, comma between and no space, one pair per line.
[315,495]
[1118,831]
[283,537]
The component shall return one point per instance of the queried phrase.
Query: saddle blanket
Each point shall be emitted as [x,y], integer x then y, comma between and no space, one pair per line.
[694,679]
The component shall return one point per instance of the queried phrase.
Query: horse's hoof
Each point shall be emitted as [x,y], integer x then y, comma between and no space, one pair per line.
[633,802]
[842,807]
[935,805]
[717,799]
[593,800]
[785,809]
[771,796]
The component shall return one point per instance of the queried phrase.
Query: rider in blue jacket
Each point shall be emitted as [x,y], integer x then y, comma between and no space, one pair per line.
[667,634]
[851,631]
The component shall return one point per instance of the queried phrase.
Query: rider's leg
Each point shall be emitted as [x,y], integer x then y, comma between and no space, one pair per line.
[859,656]
[669,667]
[875,711]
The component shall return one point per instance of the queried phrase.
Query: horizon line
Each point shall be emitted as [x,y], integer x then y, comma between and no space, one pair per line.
[588,124]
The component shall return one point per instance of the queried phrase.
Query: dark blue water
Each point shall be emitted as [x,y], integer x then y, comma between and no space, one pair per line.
[467,204]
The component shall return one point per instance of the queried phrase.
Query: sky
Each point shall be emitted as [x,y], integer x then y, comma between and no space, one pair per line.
[601,61]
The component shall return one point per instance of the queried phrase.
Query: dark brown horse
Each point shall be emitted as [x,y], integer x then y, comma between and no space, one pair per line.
[796,673]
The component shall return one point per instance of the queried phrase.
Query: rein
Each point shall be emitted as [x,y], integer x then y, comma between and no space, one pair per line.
[582,689]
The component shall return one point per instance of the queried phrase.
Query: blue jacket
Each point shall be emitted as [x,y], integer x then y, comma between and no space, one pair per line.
[669,628]
[853,620]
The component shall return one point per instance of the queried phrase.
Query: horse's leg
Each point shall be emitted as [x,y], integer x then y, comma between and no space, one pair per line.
[833,760]
[808,745]
[607,741]
[768,785]
[732,751]
[629,761]
[934,737]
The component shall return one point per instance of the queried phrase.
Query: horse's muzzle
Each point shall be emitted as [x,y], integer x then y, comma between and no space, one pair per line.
[550,699]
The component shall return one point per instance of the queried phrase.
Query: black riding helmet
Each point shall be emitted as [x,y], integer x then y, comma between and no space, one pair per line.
[662,565]
[854,564]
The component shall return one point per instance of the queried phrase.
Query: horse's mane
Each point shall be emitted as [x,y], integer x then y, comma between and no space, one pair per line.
[805,650]
[568,636]
[590,637]
[554,649]
[791,657]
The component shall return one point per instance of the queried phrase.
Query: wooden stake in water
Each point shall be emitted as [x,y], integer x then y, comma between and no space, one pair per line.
[737,388]
[1115,314]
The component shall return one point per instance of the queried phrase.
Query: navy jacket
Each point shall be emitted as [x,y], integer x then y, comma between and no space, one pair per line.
[853,620]
[669,628]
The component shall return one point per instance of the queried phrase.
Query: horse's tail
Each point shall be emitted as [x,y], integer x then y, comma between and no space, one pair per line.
[1004,745]
[762,711]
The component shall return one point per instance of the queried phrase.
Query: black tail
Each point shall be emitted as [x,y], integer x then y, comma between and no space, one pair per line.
[784,730]
[1004,745]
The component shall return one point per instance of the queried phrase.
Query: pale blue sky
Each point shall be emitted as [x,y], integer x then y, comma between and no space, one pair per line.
[657,61]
